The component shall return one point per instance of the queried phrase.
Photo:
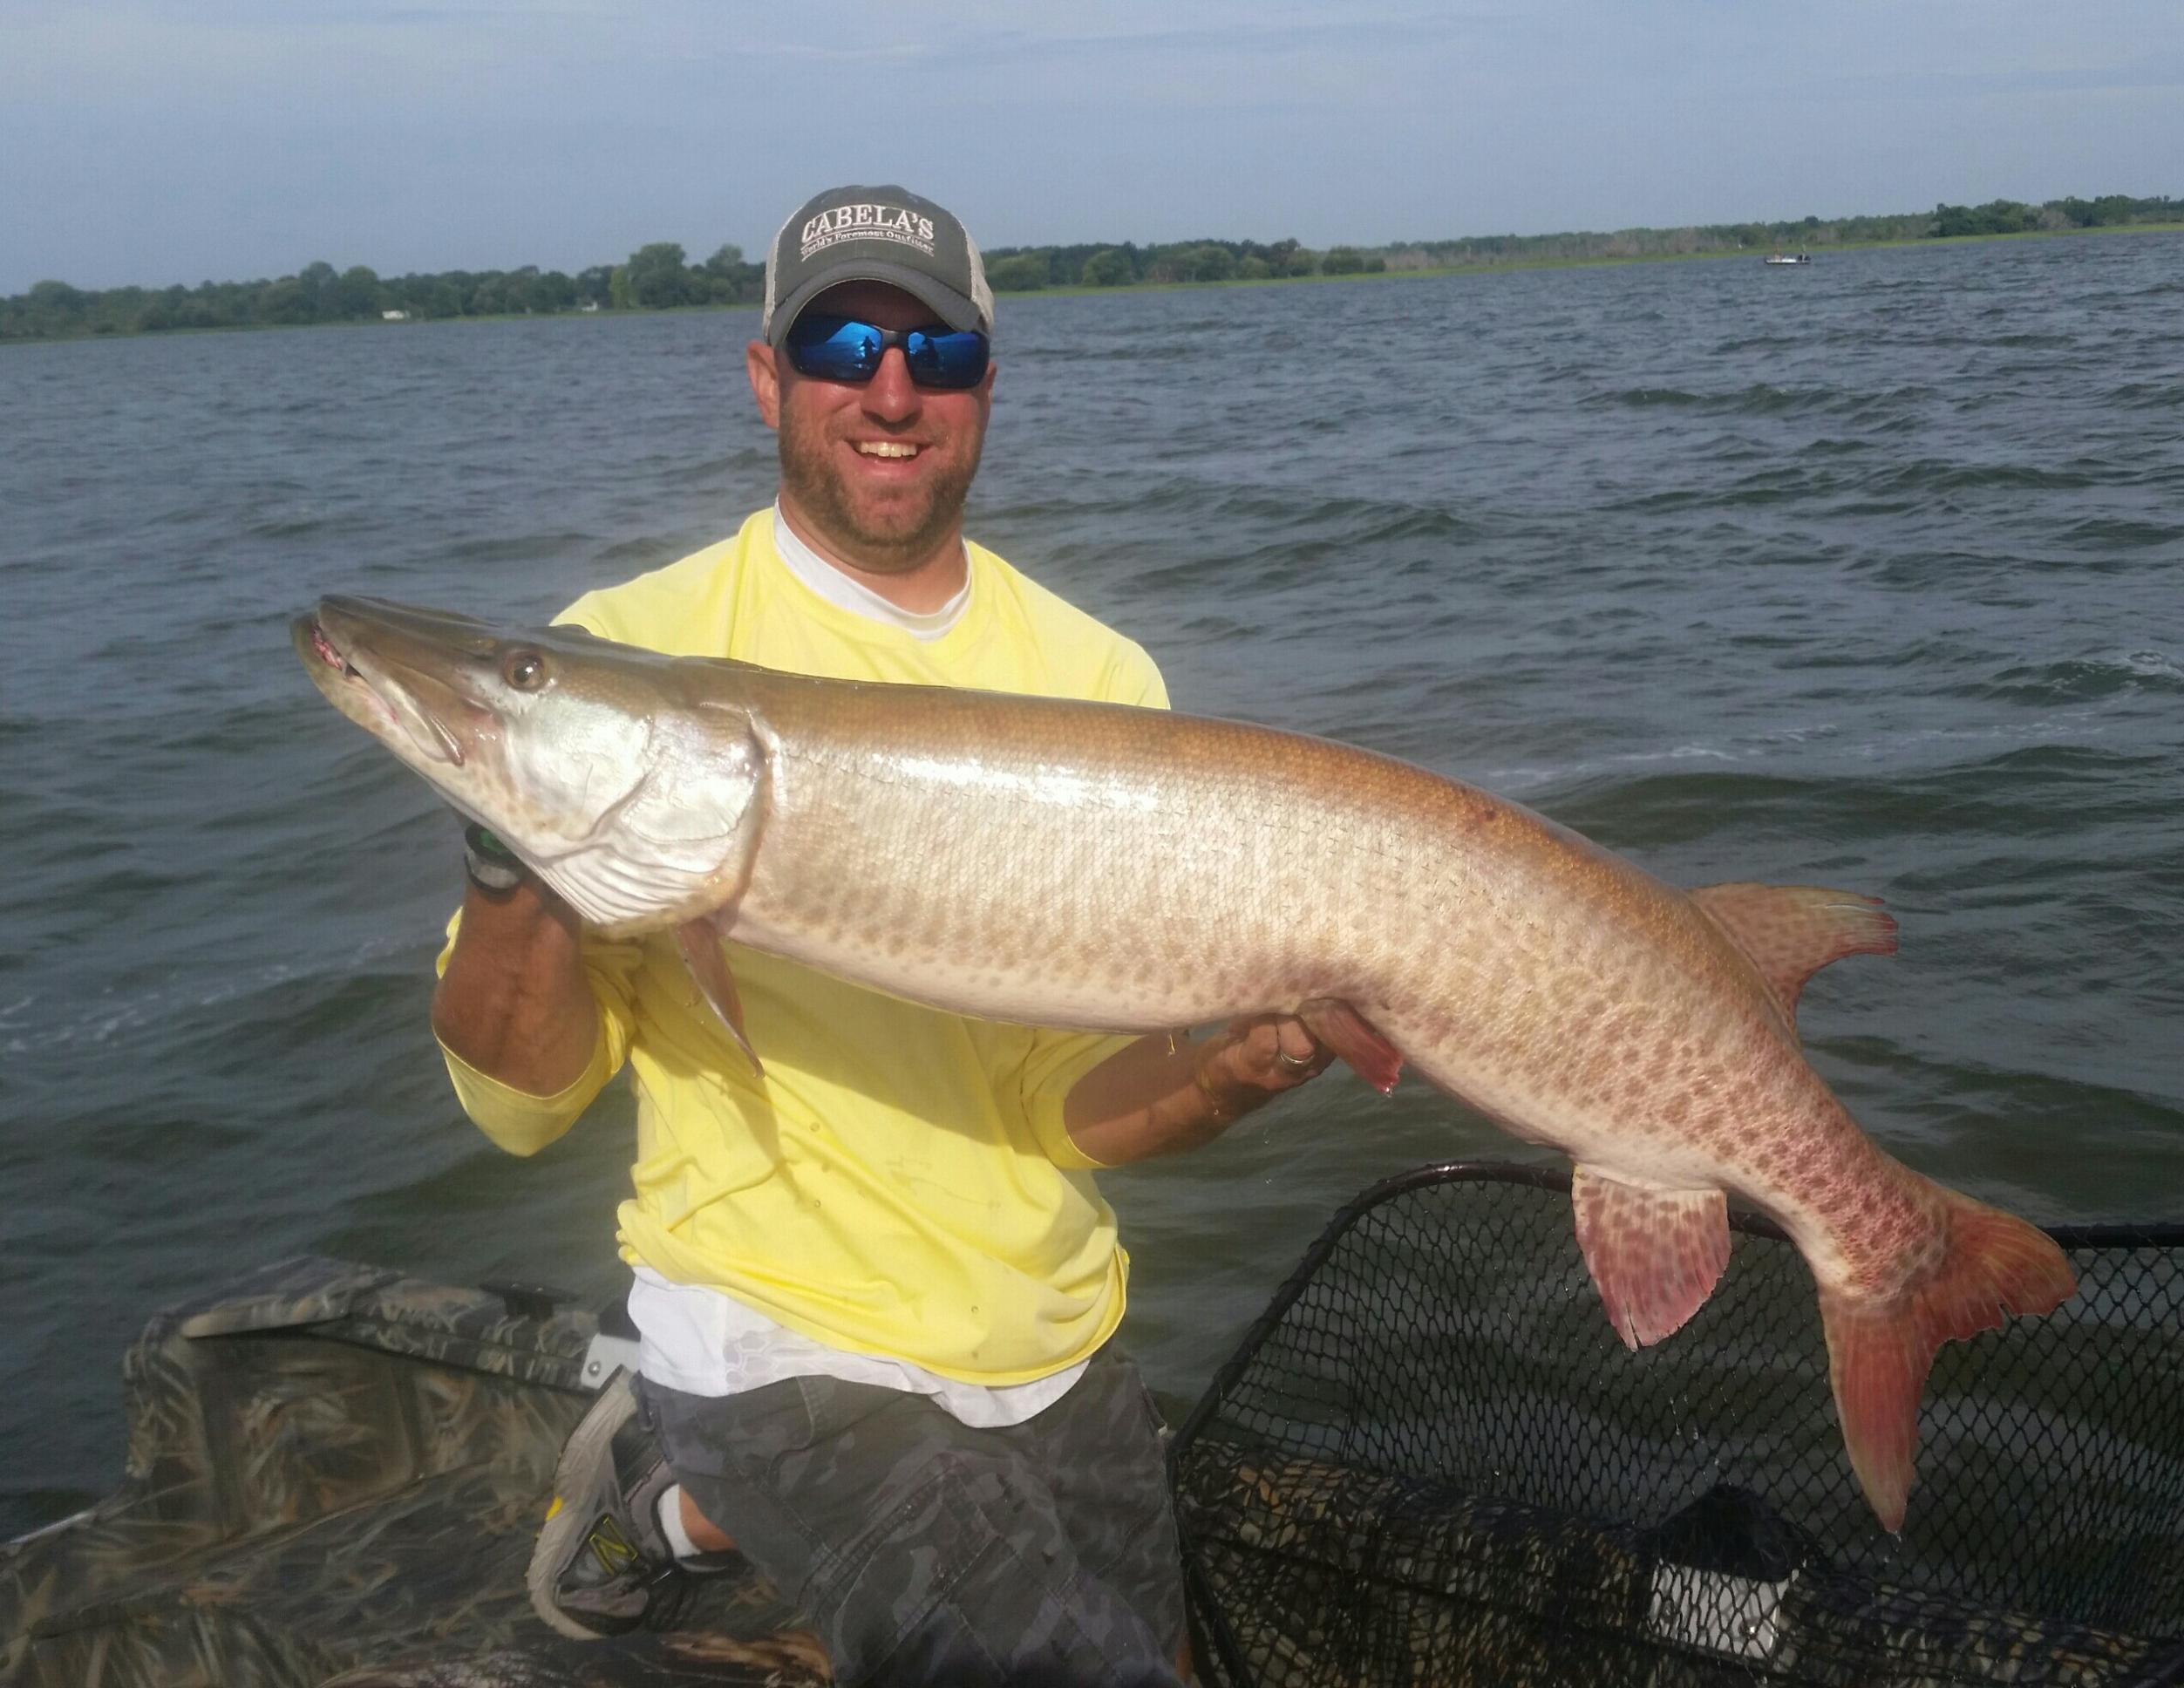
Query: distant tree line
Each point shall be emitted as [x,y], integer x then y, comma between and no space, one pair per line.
[660,276]
[2002,217]
[2009,217]
[655,278]
[1025,269]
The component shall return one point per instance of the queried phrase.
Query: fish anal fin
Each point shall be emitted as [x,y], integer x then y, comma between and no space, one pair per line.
[1655,1254]
[1790,932]
[699,941]
[1346,1032]
[1880,1352]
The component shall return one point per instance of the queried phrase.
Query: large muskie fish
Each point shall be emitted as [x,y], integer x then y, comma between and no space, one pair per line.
[1108,869]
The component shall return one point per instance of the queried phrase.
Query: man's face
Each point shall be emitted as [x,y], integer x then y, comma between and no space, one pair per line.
[880,470]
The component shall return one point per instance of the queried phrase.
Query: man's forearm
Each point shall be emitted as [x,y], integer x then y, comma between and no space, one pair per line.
[514,1003]
[1158,1096]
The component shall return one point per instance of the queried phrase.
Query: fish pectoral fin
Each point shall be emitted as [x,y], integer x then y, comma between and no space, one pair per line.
[1880,1352]
[1346,1032]
[1655,1254]
[1790,932]
[699,941]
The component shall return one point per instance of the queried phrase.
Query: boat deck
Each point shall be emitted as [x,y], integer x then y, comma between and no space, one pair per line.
[1429,1461]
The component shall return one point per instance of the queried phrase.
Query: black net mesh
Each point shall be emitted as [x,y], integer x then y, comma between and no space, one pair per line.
[1432,1461]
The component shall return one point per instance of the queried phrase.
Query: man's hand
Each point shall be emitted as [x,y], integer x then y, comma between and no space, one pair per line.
[514,1003]
[1267,1053]
[1162,1094]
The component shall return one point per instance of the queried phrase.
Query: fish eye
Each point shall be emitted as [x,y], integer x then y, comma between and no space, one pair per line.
[524,669]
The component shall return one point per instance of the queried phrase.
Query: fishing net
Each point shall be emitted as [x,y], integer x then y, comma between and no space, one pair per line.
[1431,1462]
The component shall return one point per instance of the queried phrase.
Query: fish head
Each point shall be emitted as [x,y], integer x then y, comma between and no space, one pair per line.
[632,789]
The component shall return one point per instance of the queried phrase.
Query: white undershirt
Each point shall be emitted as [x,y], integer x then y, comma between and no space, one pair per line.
[704,1342]
[854,596]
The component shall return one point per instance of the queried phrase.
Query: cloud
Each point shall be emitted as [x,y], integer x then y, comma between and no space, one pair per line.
[154,139]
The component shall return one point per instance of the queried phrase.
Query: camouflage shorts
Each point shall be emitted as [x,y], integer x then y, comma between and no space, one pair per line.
[923,1550]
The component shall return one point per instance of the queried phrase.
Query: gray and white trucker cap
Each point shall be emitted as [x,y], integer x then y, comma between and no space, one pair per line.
[874,234]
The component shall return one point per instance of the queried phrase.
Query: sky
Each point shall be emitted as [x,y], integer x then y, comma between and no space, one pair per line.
[155,141]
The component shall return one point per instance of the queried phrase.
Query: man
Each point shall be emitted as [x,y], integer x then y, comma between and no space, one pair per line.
[875,1287]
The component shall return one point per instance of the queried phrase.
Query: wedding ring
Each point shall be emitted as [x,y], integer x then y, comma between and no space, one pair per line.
[1294,1063]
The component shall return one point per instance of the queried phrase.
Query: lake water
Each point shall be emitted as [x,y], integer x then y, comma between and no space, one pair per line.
[1866,574]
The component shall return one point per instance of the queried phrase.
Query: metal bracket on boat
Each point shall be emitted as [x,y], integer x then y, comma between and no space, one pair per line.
[607,1356]
[614,1348]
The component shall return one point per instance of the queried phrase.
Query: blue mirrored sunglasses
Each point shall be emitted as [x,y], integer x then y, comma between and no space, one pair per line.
[843,348]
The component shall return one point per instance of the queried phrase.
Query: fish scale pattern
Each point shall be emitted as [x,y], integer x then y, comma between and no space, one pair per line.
[1432,1461]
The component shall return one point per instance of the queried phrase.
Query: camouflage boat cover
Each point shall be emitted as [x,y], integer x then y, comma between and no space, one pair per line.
[334,1475]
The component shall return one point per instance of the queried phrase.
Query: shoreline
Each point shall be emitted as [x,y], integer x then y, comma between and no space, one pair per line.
[1747,255]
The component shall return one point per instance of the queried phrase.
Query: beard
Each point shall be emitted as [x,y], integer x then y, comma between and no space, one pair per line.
[886,539]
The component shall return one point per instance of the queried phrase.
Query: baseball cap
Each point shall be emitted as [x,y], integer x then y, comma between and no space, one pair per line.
[874,234]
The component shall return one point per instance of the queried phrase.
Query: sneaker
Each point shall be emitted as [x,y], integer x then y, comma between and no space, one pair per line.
[602,1566]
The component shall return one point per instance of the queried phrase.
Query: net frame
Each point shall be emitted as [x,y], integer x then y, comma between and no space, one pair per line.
[1431,1460]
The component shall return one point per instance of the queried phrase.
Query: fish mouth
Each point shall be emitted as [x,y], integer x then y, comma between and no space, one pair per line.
[311,632]
[359,682]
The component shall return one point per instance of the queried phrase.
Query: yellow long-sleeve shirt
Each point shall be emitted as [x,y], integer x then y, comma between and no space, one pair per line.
[900,1181]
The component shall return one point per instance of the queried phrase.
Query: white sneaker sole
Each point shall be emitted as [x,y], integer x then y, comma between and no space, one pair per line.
[587,1451]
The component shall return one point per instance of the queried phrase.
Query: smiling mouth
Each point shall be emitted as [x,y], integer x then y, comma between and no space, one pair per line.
[897,450]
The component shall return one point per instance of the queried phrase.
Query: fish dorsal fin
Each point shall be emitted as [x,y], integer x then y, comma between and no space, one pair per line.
[1790,932]
[1655,1254]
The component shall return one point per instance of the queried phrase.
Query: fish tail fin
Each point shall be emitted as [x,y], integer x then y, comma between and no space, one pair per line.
[1880,1352]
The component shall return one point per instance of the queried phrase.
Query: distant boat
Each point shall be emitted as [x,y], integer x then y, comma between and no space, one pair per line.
[1788,258]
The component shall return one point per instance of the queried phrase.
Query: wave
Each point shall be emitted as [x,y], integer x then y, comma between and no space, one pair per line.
[2121,533]
[266,1010]
[1897,488]
[1885,408]
[2080,680]
[2148,395]
[284,528]
[521,548]
[1939,475]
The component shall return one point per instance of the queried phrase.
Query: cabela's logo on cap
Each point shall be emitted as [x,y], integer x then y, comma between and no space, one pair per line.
[865,222]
